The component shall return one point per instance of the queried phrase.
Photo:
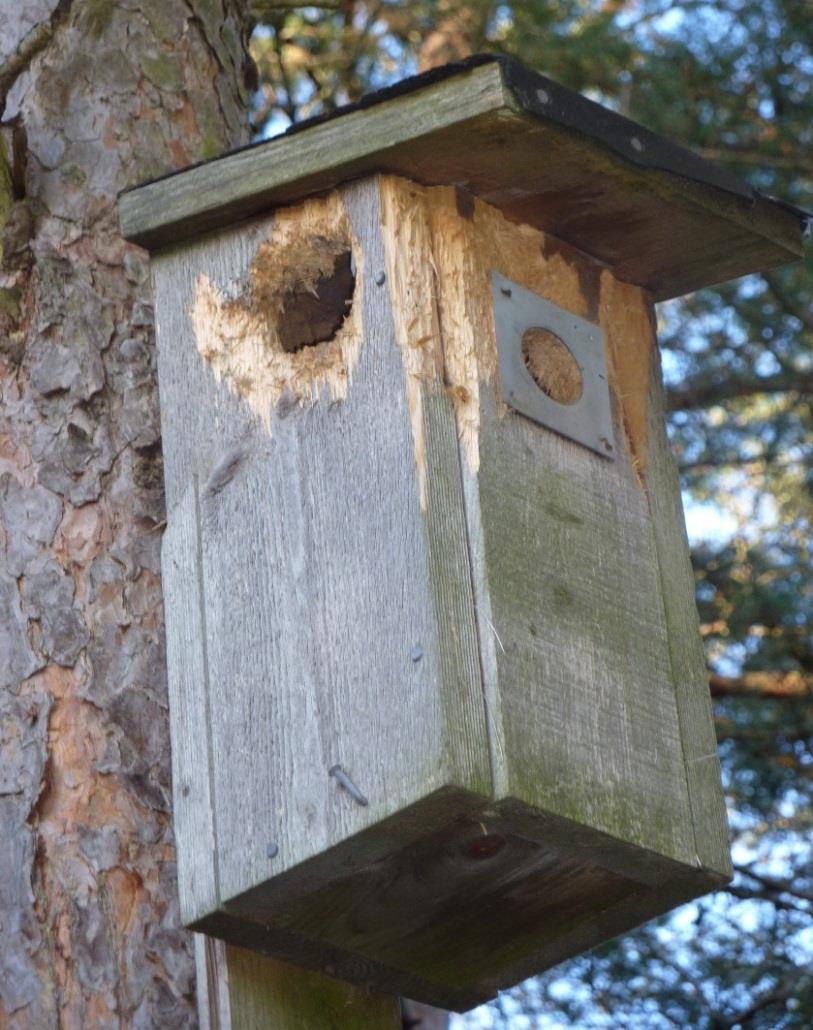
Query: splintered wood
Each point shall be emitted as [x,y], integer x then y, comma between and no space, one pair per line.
[270,338]
[441,246]
[246,339]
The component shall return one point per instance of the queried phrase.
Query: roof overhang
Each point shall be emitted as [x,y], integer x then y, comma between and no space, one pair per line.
[656,214]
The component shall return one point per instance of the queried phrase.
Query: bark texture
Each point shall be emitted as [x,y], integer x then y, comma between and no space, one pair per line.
[103,95]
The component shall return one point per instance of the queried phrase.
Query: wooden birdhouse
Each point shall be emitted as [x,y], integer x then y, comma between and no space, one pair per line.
[438,703]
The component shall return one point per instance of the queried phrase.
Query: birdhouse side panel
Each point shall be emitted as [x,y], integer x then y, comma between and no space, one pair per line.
[574,638]
[689,672]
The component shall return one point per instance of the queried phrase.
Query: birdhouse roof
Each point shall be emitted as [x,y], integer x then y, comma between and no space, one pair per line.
[654,212]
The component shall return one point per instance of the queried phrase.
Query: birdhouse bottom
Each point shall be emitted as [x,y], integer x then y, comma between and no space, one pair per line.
[434,916]
[424,529]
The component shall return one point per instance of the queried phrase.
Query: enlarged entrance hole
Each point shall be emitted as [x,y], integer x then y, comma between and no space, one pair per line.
[551,365]
[313,313]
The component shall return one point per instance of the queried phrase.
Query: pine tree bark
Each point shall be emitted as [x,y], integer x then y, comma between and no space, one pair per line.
[98,95]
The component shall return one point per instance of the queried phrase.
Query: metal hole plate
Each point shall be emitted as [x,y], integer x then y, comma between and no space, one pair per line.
[589,421]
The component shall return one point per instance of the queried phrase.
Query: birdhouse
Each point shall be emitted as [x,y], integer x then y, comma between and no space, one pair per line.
[437,695]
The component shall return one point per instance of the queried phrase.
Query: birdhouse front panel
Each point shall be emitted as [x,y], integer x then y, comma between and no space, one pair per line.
[438,701]
[335,622]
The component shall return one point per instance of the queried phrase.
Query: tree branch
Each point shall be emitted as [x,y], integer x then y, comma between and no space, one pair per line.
[788,301]
[261,9]
[705,394]
[732,154]
[773,884]
[752,463]
[751,894]
[780,686]
[743,1018]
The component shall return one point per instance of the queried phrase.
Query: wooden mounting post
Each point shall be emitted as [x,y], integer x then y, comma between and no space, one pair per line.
[242,990]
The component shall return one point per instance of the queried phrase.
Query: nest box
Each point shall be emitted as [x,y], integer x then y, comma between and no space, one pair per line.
[437,695]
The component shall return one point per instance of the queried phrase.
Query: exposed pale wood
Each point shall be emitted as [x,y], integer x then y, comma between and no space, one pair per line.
[201,419]
[320,580]
[657,215]
[241,333]
[190,717]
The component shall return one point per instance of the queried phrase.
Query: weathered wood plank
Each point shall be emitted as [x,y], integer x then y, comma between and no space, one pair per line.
[656,214]
[588,707]
[242,990]
[190,718]
[265,993]
[250,180]
[685,646]
[201,419]
[468,909]
[211,983]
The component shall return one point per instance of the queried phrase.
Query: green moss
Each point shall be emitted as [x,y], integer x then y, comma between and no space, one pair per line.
[6,193]
[210,123]
[74,174]
[9,304]
[164,71]
[161,19]
[210,145]
[96,15]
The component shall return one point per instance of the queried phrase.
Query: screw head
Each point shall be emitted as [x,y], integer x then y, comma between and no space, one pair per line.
[272,850]
[380,278]
[416,653]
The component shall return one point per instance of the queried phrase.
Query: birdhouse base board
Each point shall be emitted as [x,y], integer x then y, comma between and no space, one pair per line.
[450,917]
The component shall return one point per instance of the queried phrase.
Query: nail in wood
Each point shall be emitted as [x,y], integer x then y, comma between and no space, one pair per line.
[344,780]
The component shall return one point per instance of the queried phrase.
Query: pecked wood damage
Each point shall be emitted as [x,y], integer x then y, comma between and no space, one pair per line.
[259,341]
[293,328]
[441,250]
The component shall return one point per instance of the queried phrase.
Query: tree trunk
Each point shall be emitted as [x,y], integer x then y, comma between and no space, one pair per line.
[99,96]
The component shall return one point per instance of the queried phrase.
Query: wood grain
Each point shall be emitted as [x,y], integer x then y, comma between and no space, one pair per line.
[685,646]
[189,712]
[578,677]
[242,990]
[253,179]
